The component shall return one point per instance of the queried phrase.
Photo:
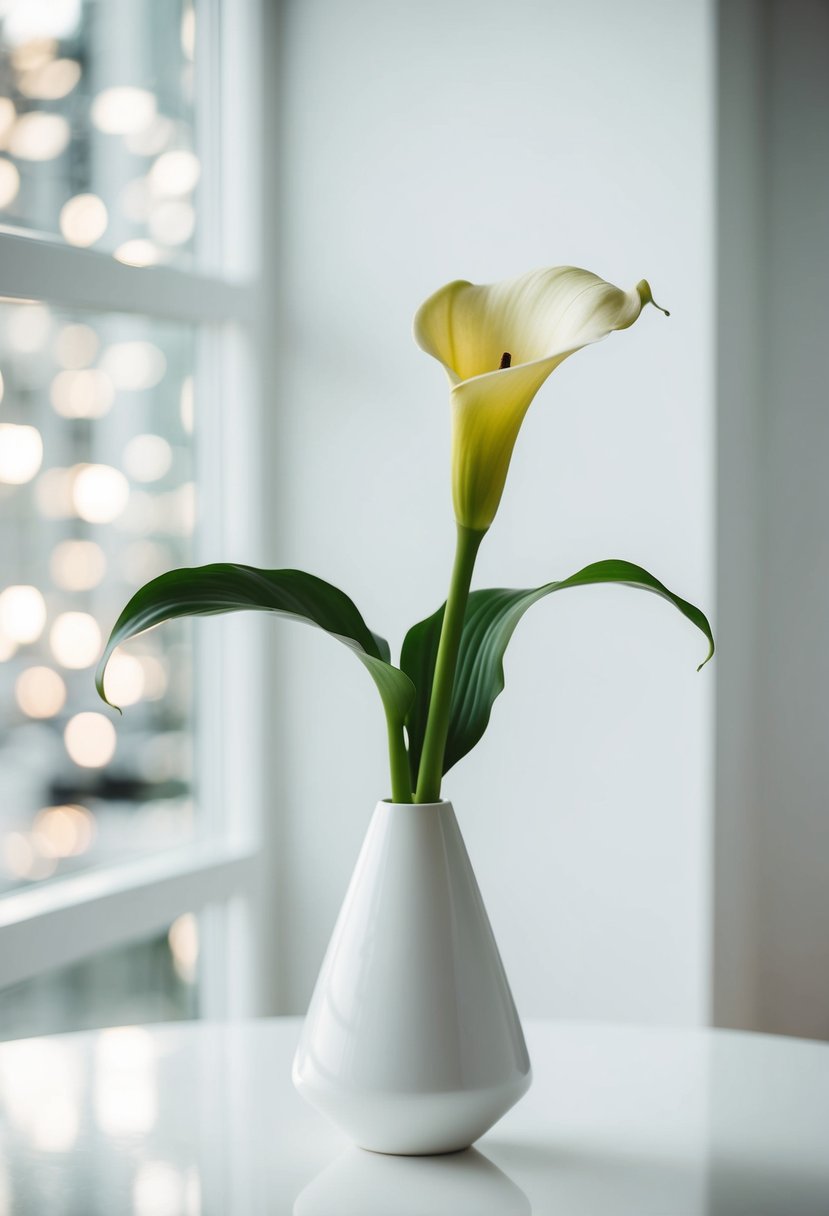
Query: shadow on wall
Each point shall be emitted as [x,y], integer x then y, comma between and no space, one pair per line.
[771,945]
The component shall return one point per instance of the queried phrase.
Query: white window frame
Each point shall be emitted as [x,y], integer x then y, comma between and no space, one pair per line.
[228,873]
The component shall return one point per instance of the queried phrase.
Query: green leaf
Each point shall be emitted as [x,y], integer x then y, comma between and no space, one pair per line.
[227,587]
[489,623]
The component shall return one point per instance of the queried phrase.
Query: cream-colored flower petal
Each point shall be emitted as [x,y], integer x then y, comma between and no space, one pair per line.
[538,320]
[487,413]
[468,328]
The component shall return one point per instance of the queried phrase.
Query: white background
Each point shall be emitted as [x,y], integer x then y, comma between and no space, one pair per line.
[477,140]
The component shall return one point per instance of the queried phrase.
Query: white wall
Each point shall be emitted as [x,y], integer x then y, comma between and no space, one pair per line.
[428,141]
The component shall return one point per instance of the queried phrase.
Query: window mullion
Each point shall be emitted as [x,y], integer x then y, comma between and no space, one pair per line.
[34,269]
[62,922]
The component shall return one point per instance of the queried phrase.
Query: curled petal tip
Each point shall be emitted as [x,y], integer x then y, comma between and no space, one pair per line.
[646,296]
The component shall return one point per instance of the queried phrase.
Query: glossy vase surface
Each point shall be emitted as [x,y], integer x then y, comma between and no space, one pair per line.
[412,1043]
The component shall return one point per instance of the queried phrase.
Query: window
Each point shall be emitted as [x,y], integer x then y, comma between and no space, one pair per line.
[128,300]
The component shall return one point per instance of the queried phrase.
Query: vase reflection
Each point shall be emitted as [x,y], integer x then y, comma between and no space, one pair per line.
[359,1183]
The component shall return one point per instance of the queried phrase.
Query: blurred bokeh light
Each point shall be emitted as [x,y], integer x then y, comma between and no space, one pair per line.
[96,497]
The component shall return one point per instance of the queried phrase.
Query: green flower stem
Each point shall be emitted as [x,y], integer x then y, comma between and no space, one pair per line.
[437,725]
[401,788]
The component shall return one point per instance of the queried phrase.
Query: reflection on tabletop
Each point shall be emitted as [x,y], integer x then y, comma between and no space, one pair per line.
[359,1183]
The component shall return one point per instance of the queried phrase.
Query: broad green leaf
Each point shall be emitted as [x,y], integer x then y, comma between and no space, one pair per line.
[227,587]
[490,621]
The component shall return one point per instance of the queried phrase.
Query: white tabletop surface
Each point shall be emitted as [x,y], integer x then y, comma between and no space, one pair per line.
[202,1120]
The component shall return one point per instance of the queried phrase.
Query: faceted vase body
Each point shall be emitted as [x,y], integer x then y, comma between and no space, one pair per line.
[412,1043]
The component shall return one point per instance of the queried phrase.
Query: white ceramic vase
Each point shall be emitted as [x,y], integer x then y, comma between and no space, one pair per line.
[412,1043]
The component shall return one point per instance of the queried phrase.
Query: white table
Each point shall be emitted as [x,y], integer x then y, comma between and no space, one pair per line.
[201,1120]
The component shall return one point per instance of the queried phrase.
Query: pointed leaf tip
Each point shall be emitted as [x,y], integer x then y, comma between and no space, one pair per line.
[99,685]
[707,658]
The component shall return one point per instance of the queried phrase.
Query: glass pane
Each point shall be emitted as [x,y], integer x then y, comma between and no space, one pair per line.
[96,497]
[152,981]
[96,124]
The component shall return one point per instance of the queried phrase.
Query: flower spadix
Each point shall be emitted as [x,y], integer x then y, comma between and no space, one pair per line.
[498,343]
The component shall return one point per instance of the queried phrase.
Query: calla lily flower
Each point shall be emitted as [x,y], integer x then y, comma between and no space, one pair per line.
[498,344]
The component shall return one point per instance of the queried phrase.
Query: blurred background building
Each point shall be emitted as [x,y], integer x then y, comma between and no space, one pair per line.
[218,218]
